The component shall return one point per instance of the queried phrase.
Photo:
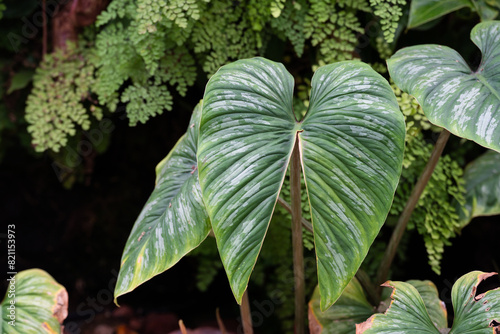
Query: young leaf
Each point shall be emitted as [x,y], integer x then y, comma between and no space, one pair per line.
[434,306]
[173,221]
[351,144]
[36,303]
[465,102]
[351,308]
[482,184]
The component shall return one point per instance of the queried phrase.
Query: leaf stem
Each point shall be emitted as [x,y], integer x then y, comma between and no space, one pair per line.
[246,316]
[307,225]
[298,251]
[400,228]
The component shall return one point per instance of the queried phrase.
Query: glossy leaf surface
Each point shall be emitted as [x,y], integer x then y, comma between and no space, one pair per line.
[482,184]
[351,144]
[351,308]
[40,304]
[465,102]
[173,221]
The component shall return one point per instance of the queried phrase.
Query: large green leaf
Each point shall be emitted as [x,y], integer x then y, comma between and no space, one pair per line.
[408,314]
[482,184]
[475,314]
[465,102]
[351,144]
[34,303]
[423,11]
[173,221]
[351,308]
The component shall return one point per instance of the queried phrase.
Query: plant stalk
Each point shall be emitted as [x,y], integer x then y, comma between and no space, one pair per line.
[307,225]
[246,316]
[400,228]
[298,251]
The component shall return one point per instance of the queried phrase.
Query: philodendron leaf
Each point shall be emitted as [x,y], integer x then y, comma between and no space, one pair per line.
[173,221]
[424,11]
[482,184]
[408,314]
[34,303]
[465,102]
[351,308]
[351,144]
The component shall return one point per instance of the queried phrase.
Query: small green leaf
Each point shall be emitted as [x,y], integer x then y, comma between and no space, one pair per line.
[173,221]
[20,80]
[351,308]
[34,303]
[482,185]
[423,11]
[465,102]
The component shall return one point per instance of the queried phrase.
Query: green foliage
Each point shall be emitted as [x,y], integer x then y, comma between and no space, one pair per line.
[290,24]
[57,103]
[2,8]
[435,216]
[333,27]
[389,12]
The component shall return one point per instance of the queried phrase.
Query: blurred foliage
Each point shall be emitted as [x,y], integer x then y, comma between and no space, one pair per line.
[435,216]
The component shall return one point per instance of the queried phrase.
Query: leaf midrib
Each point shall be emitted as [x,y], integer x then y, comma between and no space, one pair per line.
[487,84]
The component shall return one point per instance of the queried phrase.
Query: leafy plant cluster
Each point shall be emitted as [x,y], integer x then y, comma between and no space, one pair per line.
[145,52]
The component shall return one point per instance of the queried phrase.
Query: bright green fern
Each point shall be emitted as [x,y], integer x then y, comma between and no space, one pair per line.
[389,12]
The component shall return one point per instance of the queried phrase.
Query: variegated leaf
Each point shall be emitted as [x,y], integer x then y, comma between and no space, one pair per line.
[34,303]
[465,102]
[351,144]
[482,186]
[173,221]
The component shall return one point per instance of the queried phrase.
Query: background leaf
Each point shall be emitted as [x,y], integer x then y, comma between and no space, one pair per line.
[174,219]
[482,184]
[423,11]
[351,308]
[247,133]
[452,96]
[41,304]
[352,148]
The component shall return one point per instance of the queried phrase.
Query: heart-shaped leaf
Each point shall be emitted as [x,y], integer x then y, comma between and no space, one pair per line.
[465,102]
[482,185]
[351,308]
[173,221]
[408,314]
[351,144]
[34,303]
